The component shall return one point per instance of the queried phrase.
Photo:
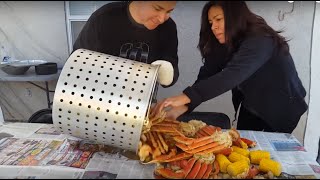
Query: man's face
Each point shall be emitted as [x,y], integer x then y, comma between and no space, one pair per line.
[154,13]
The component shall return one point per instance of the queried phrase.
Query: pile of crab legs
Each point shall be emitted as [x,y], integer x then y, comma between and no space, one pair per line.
[178,156]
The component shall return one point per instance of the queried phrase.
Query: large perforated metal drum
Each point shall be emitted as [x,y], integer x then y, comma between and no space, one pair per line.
[104,98]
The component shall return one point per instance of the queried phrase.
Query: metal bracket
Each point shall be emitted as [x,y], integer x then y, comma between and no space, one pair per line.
[281,15]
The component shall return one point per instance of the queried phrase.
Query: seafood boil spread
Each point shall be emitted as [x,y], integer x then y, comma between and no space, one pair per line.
[195,150]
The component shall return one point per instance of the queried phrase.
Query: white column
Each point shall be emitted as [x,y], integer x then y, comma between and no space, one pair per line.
[312,133]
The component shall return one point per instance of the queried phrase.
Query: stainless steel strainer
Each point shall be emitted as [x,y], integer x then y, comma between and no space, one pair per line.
[104,98]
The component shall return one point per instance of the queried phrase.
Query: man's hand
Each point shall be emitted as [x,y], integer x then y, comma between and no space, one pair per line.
[165,73]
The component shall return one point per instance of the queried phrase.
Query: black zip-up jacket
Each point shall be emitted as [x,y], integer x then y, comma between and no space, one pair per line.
[260,76]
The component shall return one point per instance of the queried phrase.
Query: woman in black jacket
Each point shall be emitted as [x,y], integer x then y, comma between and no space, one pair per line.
[242,53]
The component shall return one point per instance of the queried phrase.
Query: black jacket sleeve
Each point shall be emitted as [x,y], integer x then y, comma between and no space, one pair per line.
[253,52]
[203,74]
[213,63]
[169,43]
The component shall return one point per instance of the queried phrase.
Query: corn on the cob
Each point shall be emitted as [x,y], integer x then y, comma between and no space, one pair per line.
[242,151]
[223,162]
[270,165]
[243,144]
[237,168]
[257,155]
[234,157]
[249,142]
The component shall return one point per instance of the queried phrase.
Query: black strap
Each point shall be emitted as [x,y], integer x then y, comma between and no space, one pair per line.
[235,114]
[318,158]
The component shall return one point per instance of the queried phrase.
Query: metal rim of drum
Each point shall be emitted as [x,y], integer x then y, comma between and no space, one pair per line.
[104,98]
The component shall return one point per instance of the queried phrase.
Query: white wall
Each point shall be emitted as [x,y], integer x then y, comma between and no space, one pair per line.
[30,30]
[34,30]
[312,135]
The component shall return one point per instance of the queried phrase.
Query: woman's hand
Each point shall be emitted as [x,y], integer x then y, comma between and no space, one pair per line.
[171,102]
[175,112]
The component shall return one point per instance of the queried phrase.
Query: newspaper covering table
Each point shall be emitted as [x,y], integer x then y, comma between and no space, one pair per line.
[35,151]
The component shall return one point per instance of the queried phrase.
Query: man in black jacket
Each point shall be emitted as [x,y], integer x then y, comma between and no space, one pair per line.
[138,30]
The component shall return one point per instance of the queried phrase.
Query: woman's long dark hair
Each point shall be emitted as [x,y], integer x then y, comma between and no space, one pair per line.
[239,22]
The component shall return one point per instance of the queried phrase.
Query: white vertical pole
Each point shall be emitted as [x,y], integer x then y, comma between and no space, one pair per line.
[312,132]
[1,116]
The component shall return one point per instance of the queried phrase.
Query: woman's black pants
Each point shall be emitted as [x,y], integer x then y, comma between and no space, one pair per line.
[249,121]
